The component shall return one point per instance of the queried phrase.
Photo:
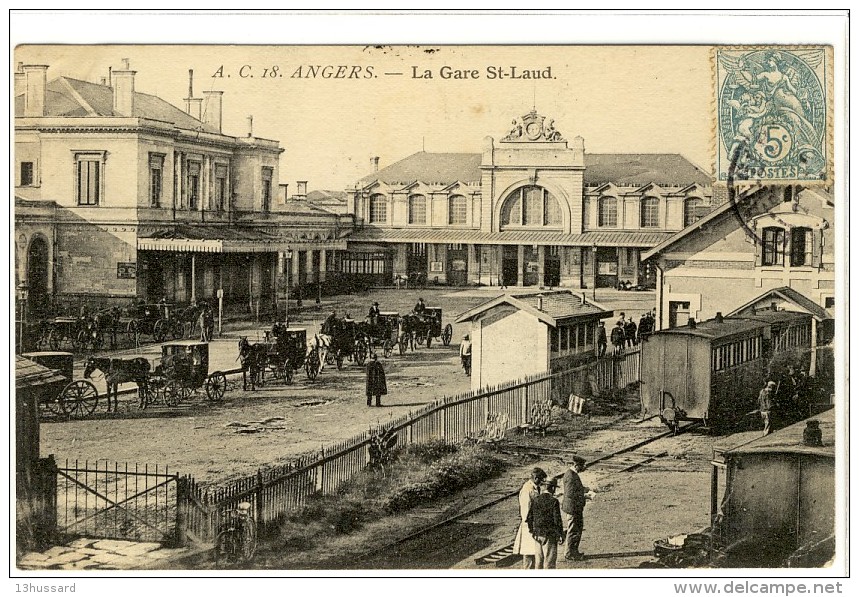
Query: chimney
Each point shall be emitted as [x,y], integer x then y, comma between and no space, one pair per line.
[539,302]
[692,323]
[214,109]
[719,318]
[123,90]
[193,105]
[582,297]
[374,163]
[301,189]
[35,81]
[250,125]
[284,193]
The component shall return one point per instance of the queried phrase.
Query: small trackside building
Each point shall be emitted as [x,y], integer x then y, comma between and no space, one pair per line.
[521,334]
[773,498]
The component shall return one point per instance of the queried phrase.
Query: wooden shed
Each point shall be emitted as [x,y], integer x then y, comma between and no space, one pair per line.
[773,497]
[521,334]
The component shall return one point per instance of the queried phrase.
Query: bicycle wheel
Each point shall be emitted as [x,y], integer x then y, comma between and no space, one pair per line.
[225,547]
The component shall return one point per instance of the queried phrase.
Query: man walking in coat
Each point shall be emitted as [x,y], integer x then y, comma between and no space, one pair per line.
[618,337]
[765,404]
[524,543]
[574,508]
[547,528]
[602,341]
[376,385]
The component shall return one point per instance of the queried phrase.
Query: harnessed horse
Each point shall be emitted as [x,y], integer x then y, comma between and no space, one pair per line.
[253,359]
[117,371]
[321,343]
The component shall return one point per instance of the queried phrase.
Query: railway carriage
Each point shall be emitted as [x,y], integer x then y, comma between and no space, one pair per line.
[712,371]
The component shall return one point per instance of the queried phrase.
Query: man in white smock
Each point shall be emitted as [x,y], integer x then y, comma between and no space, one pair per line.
[525,545]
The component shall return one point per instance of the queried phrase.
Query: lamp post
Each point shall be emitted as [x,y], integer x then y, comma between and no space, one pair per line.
[594,254]
[23,295]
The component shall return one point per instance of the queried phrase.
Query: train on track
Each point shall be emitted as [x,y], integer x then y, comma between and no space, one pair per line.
[712,371]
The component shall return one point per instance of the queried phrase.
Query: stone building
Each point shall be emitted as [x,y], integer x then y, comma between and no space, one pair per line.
[533,209]
[120,195]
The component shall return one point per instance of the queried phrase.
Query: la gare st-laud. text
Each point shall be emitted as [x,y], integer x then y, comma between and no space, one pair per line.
[490,72]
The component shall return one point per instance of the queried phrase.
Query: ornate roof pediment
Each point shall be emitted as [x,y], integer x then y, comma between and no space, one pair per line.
[533,127]
[608,188]
[652,189]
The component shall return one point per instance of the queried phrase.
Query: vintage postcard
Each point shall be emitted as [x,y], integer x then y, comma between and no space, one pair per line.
[462,308]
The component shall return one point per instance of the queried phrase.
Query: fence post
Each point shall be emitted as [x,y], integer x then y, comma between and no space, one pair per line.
[258,500]
[181,536]
[443,417]
[524,413]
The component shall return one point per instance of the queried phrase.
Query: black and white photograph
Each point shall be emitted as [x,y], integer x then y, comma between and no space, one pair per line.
[472,308]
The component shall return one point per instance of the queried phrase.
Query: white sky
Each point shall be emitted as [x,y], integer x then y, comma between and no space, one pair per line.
[621,99]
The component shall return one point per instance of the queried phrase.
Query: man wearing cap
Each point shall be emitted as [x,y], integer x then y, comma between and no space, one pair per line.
[524,544]
[465,354]
[765,403]
[546,526]
[573,507]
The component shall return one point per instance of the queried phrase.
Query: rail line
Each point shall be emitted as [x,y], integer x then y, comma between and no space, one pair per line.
[618,461]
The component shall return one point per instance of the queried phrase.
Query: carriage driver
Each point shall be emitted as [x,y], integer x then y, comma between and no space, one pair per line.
[373,314]
[330,324]
[420,307]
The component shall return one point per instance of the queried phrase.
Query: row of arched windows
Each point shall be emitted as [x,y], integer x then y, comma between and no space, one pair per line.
[607,210]
[457,209]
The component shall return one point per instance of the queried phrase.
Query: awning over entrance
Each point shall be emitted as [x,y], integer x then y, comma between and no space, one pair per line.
[616,238]
[233,239]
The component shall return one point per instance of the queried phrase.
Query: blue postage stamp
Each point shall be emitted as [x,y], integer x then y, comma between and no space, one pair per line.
[774,113]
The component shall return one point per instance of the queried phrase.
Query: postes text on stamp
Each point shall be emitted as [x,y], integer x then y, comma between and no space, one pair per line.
[774,101]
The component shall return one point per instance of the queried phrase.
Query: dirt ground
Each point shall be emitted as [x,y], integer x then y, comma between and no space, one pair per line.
[273,425]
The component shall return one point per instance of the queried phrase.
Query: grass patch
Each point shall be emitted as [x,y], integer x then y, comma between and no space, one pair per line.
[418,475]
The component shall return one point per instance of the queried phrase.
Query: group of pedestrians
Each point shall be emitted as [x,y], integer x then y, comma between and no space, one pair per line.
[626,334]
[786,400]
[547,522]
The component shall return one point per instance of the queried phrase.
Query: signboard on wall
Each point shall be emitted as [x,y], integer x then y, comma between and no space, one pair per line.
[436,266]
[458,265]
[126,270]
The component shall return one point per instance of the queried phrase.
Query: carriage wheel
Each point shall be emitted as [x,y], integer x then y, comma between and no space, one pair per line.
[360,352]
[174,392]
[53,340]
[311,364]
[82,340]
[447,335]
[177,330]
[155,386]
[158,331]
[388,348]
[330,358]
[216,385]
[78,399]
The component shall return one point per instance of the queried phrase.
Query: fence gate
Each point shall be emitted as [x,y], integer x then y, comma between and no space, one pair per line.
[113,501]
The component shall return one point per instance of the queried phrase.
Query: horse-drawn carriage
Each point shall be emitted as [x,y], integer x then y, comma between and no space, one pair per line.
[74,398]
[155,320]
[284,351]
[183,370]
[347,342]
[60,332]
[432,328]
[384,332]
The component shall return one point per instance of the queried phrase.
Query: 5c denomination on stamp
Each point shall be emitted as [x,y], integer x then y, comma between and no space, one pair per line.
[775,101]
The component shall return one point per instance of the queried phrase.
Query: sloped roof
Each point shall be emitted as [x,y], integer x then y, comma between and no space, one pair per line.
[623,169]
[232,232]
[73,98]
[29,374]
[431,168]
[790,439]
[557,306]
[790,295]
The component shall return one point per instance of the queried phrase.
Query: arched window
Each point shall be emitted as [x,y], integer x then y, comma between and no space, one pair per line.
[531,206]
[772,251]
[378,209]
[417,209]
[607,212]
[457,210]
[650,212]
[691,211]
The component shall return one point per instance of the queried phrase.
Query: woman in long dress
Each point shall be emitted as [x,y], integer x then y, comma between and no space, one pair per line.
[525,544]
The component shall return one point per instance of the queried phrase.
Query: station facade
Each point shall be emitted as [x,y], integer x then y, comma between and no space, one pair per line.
[121,196]
[533,209]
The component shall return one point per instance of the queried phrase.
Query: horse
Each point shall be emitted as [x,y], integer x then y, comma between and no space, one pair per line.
[117,371]
[321,343]
[253,359]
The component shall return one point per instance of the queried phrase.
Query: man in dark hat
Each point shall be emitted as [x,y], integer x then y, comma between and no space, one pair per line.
[373,314]
[420,307]
[546,526]
[376,385]
[574,508]
[602,342]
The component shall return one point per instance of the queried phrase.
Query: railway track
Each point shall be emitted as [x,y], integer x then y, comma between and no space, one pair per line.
[625,459]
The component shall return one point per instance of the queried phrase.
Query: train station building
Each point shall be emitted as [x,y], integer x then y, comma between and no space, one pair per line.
[120,196]
[532,209]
